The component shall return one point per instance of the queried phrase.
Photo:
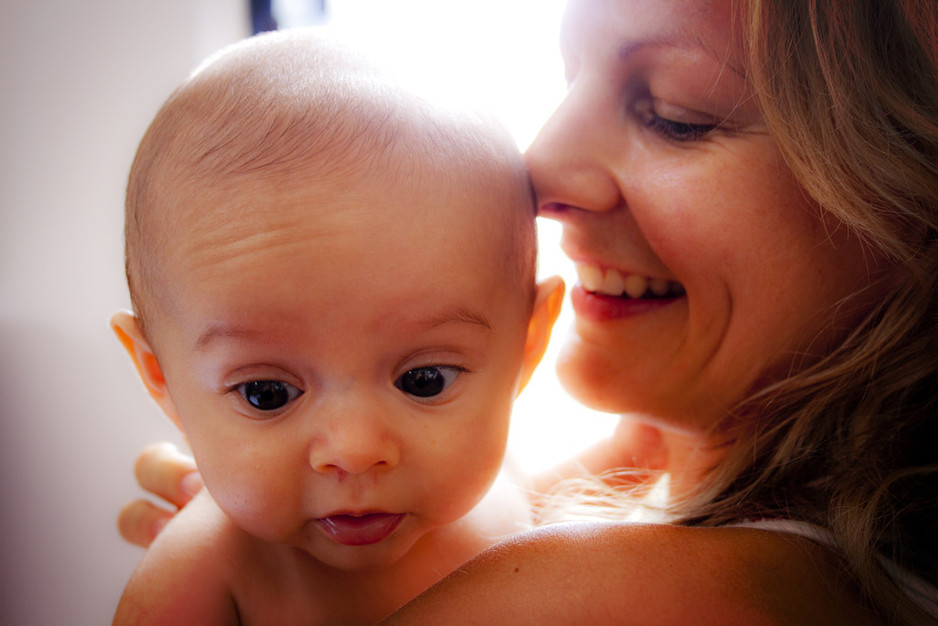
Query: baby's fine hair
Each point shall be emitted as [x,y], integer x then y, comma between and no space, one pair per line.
[265,106]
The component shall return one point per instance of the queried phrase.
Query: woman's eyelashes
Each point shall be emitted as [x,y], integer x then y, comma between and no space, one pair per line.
[268,395]
[673,123]
[679,131]
[428,381]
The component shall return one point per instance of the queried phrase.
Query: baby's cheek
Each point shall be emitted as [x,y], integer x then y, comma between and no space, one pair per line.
[255,506]
[464,477]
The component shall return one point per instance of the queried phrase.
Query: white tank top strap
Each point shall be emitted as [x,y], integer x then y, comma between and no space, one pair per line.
[792,527]
[919,591]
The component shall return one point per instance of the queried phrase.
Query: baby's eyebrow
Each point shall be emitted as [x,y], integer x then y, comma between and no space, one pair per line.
[217,331]
[462,315]
[214,332]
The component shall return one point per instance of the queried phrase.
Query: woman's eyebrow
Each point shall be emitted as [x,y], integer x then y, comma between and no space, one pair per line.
[630,48]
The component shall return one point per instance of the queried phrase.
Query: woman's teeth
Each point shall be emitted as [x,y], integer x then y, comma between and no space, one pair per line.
[615,283]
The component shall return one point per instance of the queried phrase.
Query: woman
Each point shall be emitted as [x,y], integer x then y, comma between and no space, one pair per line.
[773,164]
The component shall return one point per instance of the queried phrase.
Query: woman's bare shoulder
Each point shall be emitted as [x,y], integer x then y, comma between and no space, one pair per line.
[646,574]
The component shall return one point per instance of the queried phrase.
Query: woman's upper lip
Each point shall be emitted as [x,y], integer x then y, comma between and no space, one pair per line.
[580,258]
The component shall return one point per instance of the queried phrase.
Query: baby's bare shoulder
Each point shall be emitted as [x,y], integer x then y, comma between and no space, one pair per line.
[183,576]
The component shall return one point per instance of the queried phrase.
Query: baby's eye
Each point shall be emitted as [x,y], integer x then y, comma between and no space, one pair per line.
[268,395]
[426,382]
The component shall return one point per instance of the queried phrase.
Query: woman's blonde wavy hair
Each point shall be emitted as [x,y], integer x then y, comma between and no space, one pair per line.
[849,90]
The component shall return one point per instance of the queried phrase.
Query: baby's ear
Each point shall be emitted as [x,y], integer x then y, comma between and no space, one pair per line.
[547,305]
[127,328]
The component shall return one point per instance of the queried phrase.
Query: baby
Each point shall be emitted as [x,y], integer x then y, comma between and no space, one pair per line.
[334,296]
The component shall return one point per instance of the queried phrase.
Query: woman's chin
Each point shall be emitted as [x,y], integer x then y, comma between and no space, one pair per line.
[595,379]
[592,380]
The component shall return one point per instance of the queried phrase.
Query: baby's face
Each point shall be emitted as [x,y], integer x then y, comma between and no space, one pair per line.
[343,357]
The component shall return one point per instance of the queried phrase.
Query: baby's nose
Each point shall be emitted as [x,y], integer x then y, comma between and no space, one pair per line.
[354,444]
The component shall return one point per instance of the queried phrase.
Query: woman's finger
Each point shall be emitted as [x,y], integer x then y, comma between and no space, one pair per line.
[163,470]
[141,521]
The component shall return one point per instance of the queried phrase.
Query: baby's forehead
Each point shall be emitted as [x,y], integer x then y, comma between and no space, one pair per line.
[313,197]
[426,235]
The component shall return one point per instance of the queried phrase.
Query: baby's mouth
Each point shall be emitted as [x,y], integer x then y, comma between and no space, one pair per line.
[359,530]
[614,283]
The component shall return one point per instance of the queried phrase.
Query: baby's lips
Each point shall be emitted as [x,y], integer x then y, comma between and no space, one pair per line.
[360,530]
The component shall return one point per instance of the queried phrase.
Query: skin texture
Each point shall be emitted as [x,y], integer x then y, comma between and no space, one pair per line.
[658,164]
[339,291]
[642,574]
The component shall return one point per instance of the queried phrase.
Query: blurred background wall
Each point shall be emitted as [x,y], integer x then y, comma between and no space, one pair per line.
[80,82]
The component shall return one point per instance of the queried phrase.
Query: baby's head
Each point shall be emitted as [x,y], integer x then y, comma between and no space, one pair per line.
[294,110]
[334,290]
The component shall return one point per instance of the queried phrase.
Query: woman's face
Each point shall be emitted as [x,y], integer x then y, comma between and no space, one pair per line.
[669,188]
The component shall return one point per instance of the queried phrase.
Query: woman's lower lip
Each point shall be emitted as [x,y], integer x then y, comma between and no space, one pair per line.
[359,530]
[600,307]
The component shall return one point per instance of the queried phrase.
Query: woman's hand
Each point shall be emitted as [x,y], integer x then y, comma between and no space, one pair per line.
[164,471]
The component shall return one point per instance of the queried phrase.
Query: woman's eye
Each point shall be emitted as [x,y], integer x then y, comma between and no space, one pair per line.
[680,131]
[672,126]
[268,395]
[426,382]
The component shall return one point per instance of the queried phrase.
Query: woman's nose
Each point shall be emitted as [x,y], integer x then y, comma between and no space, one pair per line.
[572,158]
[354,443]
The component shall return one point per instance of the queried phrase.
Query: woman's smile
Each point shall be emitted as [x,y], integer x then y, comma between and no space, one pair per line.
[612,282]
